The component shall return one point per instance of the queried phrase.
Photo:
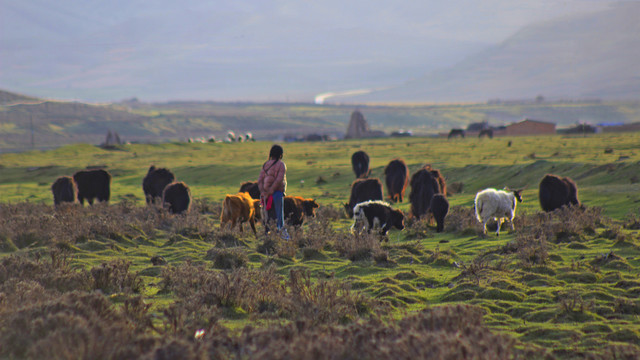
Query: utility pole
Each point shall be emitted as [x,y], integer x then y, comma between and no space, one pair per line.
[33,143]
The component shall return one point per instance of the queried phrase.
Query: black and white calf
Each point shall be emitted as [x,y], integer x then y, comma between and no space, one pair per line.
[376,214]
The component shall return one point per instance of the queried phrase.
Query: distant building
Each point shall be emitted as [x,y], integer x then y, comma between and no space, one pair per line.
[530,127]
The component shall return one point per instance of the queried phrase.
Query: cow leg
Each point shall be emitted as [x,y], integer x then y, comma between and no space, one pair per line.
[500,221]
[90,201]
[253,226]
[484,226]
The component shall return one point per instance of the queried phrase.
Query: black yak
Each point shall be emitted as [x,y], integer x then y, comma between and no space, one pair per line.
[64,189]
[93,184]
[424,186]
[556,192]
[360,164]
[439,208]
[154,183]
[361,191]
[396,175]
[177,197]
[252,188]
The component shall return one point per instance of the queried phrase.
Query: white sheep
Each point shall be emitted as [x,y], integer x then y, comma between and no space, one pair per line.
[496,204]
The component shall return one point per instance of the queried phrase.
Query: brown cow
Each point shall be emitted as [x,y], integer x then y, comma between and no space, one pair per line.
[297,208]
[397,177]
[240,208]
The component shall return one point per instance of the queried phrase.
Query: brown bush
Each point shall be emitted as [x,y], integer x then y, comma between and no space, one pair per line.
[114,277]
[358,246]
[73,326]
[462,220]
[227,258]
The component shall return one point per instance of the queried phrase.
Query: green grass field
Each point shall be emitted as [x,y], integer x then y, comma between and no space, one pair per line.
[563,284]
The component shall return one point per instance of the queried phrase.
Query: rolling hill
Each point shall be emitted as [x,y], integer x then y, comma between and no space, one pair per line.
[587,56]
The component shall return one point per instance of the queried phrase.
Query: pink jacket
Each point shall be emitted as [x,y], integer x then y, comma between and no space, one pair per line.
[273,177]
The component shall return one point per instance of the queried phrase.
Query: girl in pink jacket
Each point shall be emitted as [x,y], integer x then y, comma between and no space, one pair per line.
[273,184]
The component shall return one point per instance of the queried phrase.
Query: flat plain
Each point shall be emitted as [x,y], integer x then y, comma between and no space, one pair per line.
[563,284]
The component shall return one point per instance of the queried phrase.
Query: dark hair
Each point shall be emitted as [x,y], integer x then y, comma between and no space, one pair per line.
[276,152]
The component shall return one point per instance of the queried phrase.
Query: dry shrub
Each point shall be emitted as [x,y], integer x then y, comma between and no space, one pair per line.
[228,258]
[359,246]
[529,249]
[72,326]
[418,228]
[446,332]
[330,213]
[569,223]
[262,293]
[28,223]
[462,220]
[114,277]
[326,301]
[317,234]
[55,275]
[632,222]
[273,244]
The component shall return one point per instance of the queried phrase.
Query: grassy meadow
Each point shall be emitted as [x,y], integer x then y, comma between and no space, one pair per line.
[562,285]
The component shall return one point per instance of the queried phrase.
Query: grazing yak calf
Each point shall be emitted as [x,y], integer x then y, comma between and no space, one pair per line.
[361,191]
[496,204]
[423,187]
[177,196]
[556,192]
[240,208]
[376,214]
[439,209]
[64,189]
[252,188]
[360,164]
[297,208]
[396,175]
[93,184]
[154,183]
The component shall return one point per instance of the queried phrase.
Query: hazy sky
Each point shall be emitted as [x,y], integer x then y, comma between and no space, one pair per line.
[98,49]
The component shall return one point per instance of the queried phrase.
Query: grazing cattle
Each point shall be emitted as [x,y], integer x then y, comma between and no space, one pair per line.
[178,197]
[240,208]
[397,177]
[154,183]
[376,214]
[440,178]
[64,189]
[455,133]
[556,192]
[486,132]
[439,209]
[93,184]
[297,208]
[423,187]
[498,205]
[252,188]
[360,164]
[361,191]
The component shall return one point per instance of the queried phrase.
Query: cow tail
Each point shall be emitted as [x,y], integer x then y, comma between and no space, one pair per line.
[226,208]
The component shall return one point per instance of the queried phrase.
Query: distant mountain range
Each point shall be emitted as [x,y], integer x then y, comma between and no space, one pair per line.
[587,56]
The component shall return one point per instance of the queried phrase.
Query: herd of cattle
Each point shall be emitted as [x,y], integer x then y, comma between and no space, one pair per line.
[428,197]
